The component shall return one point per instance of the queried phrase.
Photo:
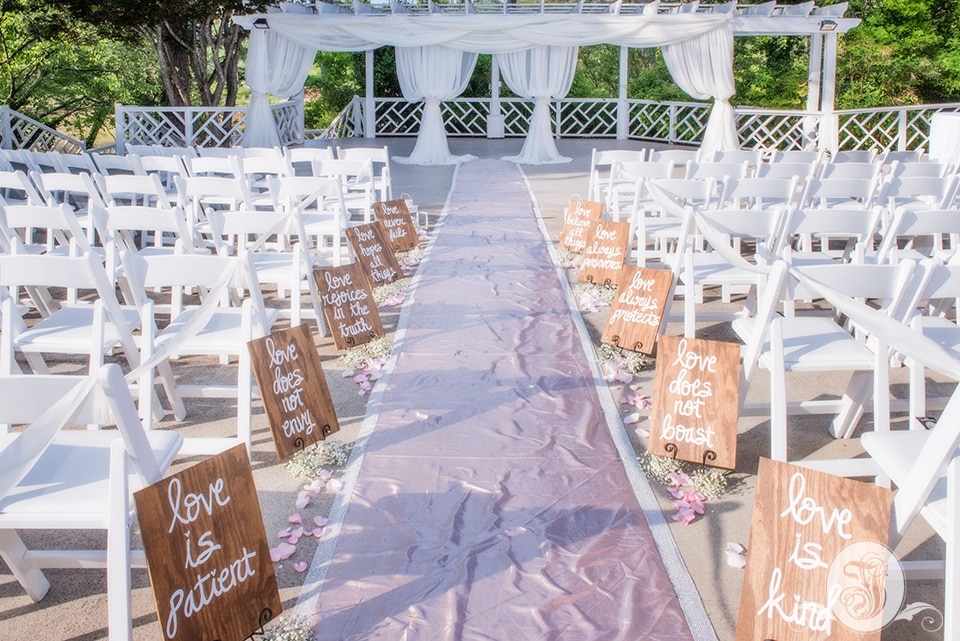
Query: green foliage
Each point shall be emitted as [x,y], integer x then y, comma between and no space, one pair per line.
[771,71]
[332,82]
[66,74]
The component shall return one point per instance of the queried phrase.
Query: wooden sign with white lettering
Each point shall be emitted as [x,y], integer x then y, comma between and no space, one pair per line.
[817,558]
[695,401]
[374,252]
[207,551]
[294,390]
[603,256]
[348,305]
[581,216]
[395,216]
[637,310]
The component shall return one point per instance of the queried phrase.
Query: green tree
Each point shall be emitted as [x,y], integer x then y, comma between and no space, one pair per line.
[66,74]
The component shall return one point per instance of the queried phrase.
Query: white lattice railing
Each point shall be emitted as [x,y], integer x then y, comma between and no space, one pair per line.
[22,132]
[201,126]
[899,128]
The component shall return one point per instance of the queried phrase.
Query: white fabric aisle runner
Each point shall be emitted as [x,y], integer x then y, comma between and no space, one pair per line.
[487,498]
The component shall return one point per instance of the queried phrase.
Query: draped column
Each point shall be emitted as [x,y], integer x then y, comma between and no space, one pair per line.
[541,74]
[703,67]
[278,66]
[433,73]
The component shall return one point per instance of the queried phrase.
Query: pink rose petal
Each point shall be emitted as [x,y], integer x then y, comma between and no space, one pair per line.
[295,518]
[301,566]
[302,502]
[284,533]
[334,485]
[347,373]
[317,532]
[320,520]
[630,419]
[282,552]
[642,432]
[325,475]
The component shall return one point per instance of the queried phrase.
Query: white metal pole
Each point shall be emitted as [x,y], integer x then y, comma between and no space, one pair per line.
[495,125]
[369,105]
[623,109]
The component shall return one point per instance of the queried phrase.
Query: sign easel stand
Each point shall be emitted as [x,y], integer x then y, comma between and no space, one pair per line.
[266,615]
[708,455]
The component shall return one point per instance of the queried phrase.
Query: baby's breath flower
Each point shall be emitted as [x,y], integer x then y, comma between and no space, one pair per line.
[308,463]
[288,629]
[383,292]
[359,357]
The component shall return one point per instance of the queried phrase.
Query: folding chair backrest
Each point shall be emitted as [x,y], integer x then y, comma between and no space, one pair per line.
[840,192]
[110,164]
[75,163]
[228,166]
[62,229]
[918,223]
[813,222]
[760,192]
[801,170]
[76,190]
[855,170]
[132,189]
[302,159]
[17,188]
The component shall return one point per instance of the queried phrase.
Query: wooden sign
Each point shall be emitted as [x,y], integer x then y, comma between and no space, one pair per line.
[817,558]
[604,253]
[581,216]
[695,401]
[395,216]
[294,390]
[348,305]
[207,551]
[374,252]
[637,310]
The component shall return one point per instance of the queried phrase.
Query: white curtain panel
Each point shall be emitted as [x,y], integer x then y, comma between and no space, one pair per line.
[433,73]
[703,68]
[698,49]
[540,73]
[278,66]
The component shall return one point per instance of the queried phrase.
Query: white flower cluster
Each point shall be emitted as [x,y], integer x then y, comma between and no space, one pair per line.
[358,357]
[288,629]
[709,482]
[394,289]
[309,462]
[632,362]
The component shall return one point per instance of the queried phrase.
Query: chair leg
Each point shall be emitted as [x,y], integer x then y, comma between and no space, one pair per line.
[951,585]
[118,548]
[851,405]
[13,552]
[778,395]
[918,392]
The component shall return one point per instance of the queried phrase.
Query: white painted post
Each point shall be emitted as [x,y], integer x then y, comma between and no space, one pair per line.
[814,80]
[495,123]
[829,137]
[623,109]
[121,128]
[6,131]
[369,105]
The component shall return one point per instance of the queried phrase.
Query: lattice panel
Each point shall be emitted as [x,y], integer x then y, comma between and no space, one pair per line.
[649,120]
[145,127]
[594,119]
[689,123]
[218,128]
[289,118]
[398,118]
[516,117]
[27,133]
[874,128]
[466,117]
[784,132]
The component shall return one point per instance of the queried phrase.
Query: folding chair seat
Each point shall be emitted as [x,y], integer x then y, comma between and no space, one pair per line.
[850,170]
[322,210]
[380,159]
[845,193]
[91,329]
[356,185]
[305,161]
[920,233]
[16,188]
[805,229]
[113,165]
[801,170]
[133,189]
[720,263]
[602,163]
[79,480]
[240,233]
[215,328]
[74,163]
[815,343]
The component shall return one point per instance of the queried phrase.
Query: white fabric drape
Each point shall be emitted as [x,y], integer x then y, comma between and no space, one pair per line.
[703,67]
[698,48]
[540,73]
[433,73]
[278,66]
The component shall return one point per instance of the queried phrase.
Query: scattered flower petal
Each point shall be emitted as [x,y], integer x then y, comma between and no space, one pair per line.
[630,419]
[295,518]
[320,520]
[736,555]
[284,533]
[301,566]
[282,552]
[334,485]
[642,432]
[317,532]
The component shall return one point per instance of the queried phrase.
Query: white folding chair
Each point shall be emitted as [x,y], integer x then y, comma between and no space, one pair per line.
[74,163]
[90,329]
[17,189]
[113,165]
[356,185]
[845,193]
[813,343]
[214,328]
[804,229]
[322,210]
[380,159]
[305,160]
[73,480]
[602,163]
[133,189]
[920,233]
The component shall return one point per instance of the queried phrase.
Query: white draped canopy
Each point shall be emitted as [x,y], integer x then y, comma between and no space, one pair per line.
[536,53]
